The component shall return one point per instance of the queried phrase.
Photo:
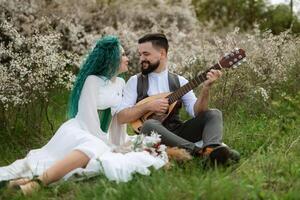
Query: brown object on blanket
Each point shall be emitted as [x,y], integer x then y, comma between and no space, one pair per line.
[178,154]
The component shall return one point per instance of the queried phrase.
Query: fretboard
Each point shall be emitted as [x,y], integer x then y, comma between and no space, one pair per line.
[190,85]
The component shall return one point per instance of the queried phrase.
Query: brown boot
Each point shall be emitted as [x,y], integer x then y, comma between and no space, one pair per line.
[216,155]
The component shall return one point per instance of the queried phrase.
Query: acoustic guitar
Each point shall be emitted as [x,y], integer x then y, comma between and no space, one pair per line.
[232,59]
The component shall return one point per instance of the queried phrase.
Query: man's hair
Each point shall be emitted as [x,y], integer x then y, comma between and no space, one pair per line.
[157,40]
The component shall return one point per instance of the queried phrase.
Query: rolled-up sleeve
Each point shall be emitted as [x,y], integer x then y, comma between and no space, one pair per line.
[189,99]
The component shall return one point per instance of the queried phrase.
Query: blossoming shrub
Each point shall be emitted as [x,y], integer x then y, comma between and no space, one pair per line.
[30,67]
[271,59]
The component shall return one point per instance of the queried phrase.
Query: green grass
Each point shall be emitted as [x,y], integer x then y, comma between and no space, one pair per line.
[269,168]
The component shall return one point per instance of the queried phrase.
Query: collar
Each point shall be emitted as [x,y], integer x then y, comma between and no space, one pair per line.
[160,74]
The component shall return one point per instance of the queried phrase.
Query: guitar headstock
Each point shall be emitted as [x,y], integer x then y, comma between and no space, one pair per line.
[233,59]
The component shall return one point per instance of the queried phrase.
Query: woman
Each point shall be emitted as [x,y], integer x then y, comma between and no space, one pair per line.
[80,142]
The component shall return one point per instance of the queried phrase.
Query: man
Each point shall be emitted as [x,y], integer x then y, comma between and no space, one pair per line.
[206,124]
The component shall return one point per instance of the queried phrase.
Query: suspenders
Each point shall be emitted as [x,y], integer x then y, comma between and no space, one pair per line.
[143,85]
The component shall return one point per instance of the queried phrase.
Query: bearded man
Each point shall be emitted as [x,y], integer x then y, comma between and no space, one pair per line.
[206,124]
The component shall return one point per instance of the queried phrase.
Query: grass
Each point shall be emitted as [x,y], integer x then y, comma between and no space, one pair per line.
[269,168]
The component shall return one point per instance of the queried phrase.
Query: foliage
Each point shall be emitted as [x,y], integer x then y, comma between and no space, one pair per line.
[279,18]
[31,66]
[246,14]
[287,109]
[242,13]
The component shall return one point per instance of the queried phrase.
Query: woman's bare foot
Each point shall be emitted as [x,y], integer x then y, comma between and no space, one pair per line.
[30,187]
[17,182]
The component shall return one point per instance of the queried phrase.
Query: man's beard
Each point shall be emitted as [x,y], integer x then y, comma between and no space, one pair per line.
[151,67]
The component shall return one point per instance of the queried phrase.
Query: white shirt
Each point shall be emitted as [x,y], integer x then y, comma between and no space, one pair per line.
[158,83]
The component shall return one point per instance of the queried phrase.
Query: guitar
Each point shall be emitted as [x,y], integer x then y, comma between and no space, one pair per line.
[232,59]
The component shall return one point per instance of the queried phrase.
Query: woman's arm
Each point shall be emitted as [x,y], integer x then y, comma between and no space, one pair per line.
[87,105]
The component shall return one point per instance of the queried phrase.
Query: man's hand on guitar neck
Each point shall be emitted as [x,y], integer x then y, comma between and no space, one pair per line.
[201,104]
[212,76]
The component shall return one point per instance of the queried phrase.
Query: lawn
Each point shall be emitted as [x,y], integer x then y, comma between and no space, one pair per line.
[269,168]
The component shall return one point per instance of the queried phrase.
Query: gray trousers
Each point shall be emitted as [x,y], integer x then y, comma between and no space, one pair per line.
[208,126]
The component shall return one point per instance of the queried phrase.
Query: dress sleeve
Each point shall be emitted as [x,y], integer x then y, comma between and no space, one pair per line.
[121,85]
[87,106]
[117,132]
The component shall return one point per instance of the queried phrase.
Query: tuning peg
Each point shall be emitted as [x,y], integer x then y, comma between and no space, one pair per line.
[226,55]
[244,60]
[237,50]
[230,62]
[240,57]
[235,60]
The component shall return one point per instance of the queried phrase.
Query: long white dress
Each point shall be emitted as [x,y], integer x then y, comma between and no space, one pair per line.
[84,133]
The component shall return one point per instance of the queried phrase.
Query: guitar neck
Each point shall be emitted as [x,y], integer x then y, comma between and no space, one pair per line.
[190,85]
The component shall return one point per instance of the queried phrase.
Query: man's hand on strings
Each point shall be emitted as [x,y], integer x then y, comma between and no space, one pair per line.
[159,106]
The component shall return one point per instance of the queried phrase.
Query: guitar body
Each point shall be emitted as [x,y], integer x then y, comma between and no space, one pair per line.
[136,125]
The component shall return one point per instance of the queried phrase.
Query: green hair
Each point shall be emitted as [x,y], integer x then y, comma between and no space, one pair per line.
[103,60]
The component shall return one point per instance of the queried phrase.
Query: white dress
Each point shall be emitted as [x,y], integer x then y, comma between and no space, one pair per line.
[84,133]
